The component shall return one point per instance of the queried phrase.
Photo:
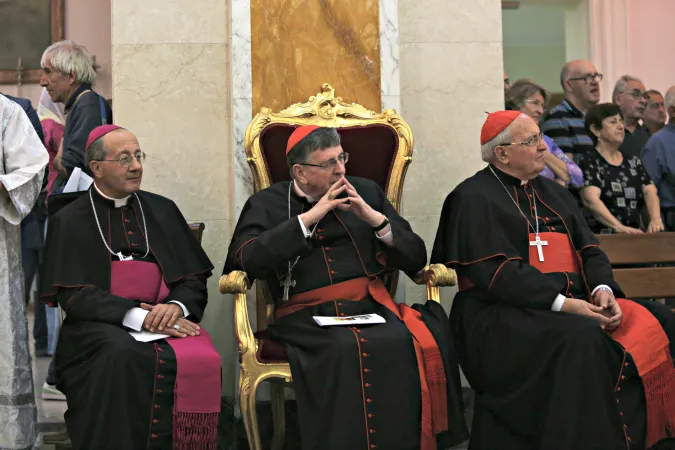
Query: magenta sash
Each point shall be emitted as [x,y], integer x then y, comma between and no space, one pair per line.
[198,377]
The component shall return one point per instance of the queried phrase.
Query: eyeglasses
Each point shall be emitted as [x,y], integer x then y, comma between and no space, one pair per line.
[126,159]
[589,78]
[637,93]
[531,142]
[343,158]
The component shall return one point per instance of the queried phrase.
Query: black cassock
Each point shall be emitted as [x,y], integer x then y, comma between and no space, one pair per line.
[118,396]
[543,380]
[356,387]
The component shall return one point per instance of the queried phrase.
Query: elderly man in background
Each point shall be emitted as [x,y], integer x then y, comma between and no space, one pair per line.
[654,117]
[136,369]
[631,96]
[564,124]
[557,358]
[658,158]
[21,173]
[68,75]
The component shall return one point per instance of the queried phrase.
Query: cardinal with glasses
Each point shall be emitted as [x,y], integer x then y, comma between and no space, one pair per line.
[558,359]
[323,242]
[136,368]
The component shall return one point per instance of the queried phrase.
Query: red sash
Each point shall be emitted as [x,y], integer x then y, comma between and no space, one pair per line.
[429,360]
[639,333]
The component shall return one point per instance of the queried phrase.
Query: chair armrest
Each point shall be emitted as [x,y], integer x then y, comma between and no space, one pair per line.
[235,282]
[435,276]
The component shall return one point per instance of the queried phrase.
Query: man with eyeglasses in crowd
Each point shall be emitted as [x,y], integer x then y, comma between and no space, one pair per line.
[322,242]
[655,116]
[564,124]
[631,96]
[136,368]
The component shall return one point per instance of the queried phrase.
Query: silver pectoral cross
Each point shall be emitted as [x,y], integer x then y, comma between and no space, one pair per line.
[539,243]
[287,283]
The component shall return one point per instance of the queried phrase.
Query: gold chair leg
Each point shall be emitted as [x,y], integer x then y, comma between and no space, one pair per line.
[247,401]
[278,414]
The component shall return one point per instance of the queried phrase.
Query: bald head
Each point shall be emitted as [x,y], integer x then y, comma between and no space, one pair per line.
[669,102]
[580,82]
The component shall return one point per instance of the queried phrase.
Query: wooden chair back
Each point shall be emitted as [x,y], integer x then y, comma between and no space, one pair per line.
[642,249]
[380,147]
[197,229]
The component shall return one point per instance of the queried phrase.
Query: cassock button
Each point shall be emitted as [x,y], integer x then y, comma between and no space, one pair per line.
[320,230]
[130,233]
[342,314]
[623,377]
[370,416]
[154,436]
[328,248]
[331,260]
[371,431]
[133,245]
[127,221]
[366,370]
[618,389]
[332,272]
[321,238]
[340,304]
[160,391]
[373,446]
[156,406]
[626,364]
[159,377]
[368,384]
[161,361]
[369,400]
[365,355]
[362,340]
[155,421]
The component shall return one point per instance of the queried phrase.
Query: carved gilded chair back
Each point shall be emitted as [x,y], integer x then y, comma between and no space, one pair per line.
[380,147]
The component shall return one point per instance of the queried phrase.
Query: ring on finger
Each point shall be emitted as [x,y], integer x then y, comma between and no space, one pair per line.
[176,327]
[331,197]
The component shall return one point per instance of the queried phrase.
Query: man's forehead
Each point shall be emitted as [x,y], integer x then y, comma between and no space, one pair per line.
[634,84]
[654,97]
[120,140]
[326,153]
[583,68]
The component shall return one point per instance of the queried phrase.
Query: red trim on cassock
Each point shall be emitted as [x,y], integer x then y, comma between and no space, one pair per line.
[429,359]
[559,255]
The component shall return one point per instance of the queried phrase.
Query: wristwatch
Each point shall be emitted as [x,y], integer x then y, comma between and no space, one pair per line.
[381,226]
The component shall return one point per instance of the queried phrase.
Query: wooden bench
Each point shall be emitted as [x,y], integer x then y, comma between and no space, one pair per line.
[642,249]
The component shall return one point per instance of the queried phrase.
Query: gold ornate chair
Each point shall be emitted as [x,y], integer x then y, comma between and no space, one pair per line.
[380,148]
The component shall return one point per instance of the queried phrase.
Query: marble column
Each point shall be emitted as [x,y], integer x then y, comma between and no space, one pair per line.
[171,72]
[450,74]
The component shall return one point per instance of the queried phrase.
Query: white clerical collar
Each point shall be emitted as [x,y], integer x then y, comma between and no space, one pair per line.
[119,202]
[300,193]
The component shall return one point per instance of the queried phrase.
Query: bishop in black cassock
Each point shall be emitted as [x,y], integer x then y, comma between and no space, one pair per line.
[557,362]
[391,386]
[115,256]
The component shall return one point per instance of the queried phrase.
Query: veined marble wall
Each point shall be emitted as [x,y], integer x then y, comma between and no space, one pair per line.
[451,73]
[297,45]
[171,87]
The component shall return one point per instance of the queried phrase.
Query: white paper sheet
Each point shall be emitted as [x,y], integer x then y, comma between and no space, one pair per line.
[363,319]
[146,336]
[78,181]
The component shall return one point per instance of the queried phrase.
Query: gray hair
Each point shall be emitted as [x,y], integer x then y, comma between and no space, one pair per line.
[669,100]
[487,150]
[620,86]
[97,152]
[564,75]
[70,58]
[520,91]
[318,139]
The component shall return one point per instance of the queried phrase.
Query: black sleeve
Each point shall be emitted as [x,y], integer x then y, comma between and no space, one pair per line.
[598,270]
[191,292]
[408,253]
[256,246]
[94,304]
[514,283]
[80,123]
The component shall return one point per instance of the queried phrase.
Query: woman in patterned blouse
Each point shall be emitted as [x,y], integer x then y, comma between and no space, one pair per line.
[529,99]
[616,186]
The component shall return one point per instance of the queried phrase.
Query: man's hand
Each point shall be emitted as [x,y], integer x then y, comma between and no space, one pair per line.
[360,208]
[627,230]
[161,317]
[185,329]
[655,226]
[584,308]
[610,308]
[326,204]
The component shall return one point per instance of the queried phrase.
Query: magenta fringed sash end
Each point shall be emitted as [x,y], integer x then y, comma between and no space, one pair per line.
[195,431]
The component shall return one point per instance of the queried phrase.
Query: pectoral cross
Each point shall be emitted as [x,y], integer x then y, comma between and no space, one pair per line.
[124,258]
[287,283]
[539,243]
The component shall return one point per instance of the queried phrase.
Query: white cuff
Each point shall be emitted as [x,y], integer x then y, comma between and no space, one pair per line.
[558,303]
[387,239]
[602,287]
[134,318]
[186,312]
[304,228]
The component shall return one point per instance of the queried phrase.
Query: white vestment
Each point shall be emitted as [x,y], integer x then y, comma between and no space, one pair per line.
[21,172]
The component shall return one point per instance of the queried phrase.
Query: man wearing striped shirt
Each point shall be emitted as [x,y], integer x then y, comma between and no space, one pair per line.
[564,124]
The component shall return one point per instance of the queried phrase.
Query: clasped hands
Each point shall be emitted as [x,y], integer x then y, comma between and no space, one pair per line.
[163,317]
[604,309]
[353,203]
